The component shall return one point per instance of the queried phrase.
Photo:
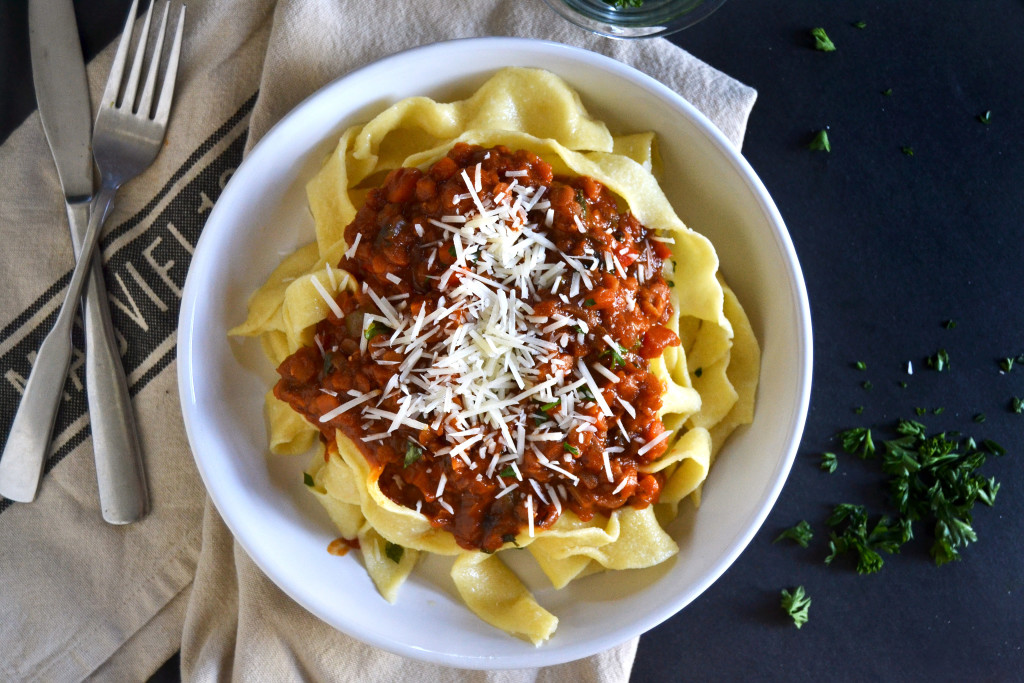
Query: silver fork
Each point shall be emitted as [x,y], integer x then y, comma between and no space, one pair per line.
[126,139]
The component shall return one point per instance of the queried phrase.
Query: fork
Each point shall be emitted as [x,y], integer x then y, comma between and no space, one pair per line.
[126,139]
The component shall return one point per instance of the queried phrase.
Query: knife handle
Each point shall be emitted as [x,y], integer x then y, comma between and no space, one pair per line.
[119,470]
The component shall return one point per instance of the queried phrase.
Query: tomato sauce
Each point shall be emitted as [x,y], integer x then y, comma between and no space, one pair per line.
[402,253]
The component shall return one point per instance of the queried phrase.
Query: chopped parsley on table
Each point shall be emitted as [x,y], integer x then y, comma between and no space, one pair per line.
[851,535]
[940,361]
[796,605]
[822,41]
[820,142]
[801,534]
[932,479]
[829,462]
[859,440]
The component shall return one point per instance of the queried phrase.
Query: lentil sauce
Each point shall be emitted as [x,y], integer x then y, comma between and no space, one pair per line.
[407,254]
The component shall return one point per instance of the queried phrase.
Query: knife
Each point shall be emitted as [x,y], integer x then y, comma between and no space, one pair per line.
[62,94]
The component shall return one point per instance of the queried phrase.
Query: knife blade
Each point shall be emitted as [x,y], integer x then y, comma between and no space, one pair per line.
[62,94]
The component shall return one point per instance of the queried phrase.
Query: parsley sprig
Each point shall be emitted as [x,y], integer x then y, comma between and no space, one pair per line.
[393,551]
[796,605]
[851,534]
[618,354]
[800,534]
[858,440]
[413,452]
[822,41]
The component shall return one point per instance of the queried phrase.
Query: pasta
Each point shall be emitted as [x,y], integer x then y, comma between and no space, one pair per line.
[704,364]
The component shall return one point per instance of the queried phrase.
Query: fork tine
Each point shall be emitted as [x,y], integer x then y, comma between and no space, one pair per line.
[113,86]
[132,85]
[163,108]
[146,99]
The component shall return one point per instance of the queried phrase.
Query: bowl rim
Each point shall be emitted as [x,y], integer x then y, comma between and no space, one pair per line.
[544,655]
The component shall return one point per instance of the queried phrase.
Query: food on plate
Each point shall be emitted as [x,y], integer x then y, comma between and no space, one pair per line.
[503,337]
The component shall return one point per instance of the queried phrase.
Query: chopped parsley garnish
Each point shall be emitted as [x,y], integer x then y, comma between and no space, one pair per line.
[375,328]
[985,118]
[586,393]
[939,362]
[868,386]
[581,200]
[920,411]
[949,324]
[852,536]
[858,441]
[860,365]
[412,453]
[822,41]
[1006,364]
[507,472]
[908,150]
[887,92]
[820,142]
[510,538]
[698,372]
[623,4]
[572,449]
[393,551]
[934,479]
[307,479]
[616,352]
[589,302]
[859,409]
[553,404]
[796,605]
[829,462]
[671,283]
[993,448]
[801,534]
[1017,405]
[328,366]
[979,417]
[859,24]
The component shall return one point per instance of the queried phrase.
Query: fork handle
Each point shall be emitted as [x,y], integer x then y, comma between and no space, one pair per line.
[119,470]
[28,444]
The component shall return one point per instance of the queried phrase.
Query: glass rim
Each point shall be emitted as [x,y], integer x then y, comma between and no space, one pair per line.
[632,22]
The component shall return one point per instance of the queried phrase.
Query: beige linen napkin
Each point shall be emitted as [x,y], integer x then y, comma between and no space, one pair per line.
[79,598]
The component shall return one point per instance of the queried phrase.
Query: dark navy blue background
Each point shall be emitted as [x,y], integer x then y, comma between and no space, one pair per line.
[891,246]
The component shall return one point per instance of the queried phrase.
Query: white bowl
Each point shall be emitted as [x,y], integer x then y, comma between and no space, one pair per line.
[262,216]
